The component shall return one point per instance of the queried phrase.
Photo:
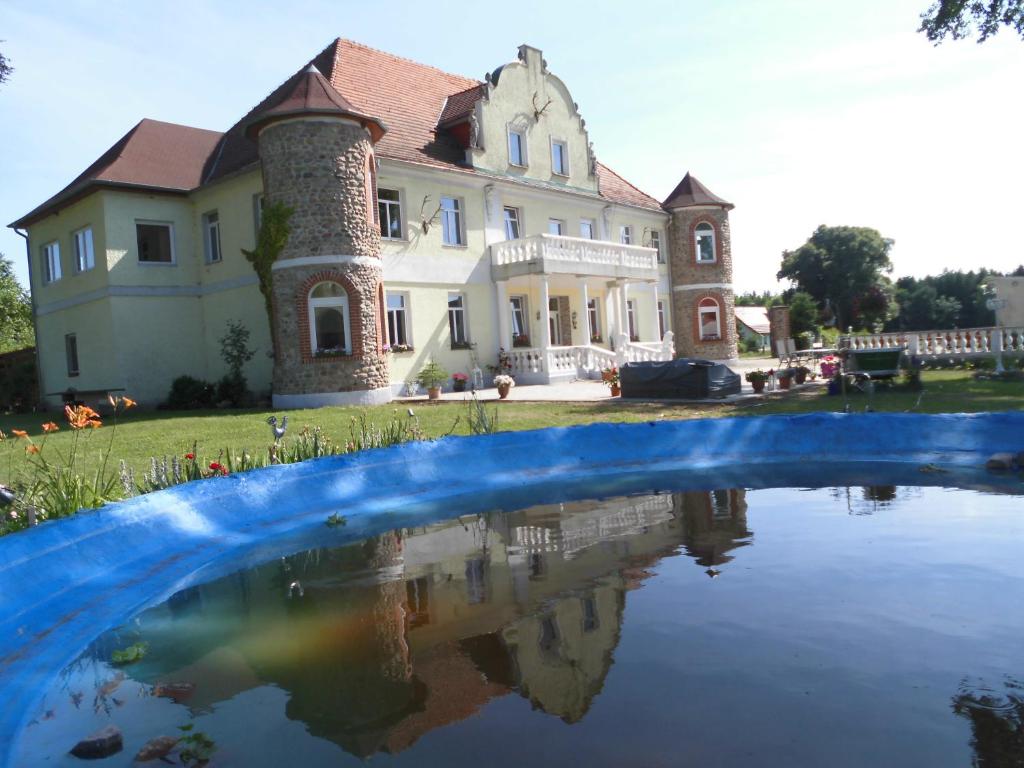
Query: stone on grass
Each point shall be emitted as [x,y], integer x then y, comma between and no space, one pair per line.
[1001,461]
[104,743]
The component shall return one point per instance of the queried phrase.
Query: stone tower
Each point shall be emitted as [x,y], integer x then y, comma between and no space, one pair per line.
[317,156]
[700,266]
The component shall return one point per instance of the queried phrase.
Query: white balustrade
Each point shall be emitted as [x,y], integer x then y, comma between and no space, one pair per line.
[955,343]
[533,363]
[556,253]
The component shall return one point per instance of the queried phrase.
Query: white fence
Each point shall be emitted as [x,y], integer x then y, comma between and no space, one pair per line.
[957,344]
[535,365]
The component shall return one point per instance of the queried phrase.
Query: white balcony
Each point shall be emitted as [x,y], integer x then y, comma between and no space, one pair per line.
[555,254]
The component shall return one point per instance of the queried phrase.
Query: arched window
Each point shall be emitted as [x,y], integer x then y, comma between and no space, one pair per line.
[708,320]
[704,243]
[329,331]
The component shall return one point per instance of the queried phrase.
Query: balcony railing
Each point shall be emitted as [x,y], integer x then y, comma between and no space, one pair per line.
[555,254]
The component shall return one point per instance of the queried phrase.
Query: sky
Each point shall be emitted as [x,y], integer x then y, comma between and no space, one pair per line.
[800,112]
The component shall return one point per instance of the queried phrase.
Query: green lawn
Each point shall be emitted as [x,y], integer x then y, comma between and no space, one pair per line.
[141,435]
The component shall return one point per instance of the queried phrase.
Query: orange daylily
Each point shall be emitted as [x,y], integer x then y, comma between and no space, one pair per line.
[19,433]
[82,416]
[128,402]
[50,427]
[31,449]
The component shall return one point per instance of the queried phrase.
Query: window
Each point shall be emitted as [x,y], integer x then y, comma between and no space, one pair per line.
[71,353]
[51,262]
[389,212]
[704,242]
[631,320]
[155,243]
[662,320]
[656,245]
[556,226]
[520,332]
[594,316]
[559,158]
[707,317]
[451,221]
[587,229]
[512,231]
[457,320]
[211,237]
[590,618]
[626,234]
[258,203]
[328,320]
[398,320]
[85,259]
[516,148]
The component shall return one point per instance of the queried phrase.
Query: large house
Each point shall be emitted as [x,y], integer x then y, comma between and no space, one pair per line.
[434,217]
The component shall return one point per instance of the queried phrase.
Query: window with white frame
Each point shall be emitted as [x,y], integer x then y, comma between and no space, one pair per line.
[520,330]
[85,258]
[71,353]
[587,229]
[512,226]
[656,245]
[155,241]
[389,213]
[559,158]
[398,321]
[704,242]
[329,331]
[626,234]
[662,319]
[451,221]
[457,320]
[517,147]
[51,262]
[708,320]
[631,320]
[556,227]
[211,237]
[594,317]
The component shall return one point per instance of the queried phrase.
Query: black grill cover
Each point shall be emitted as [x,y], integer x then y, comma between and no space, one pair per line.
[684,379]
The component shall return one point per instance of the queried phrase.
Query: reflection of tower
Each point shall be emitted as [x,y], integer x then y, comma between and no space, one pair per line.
[389,610]
[715,522]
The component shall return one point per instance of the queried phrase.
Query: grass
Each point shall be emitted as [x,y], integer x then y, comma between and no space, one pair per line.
[141,434]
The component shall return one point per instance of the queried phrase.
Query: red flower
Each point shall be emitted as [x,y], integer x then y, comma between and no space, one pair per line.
[216,466]
[190,456]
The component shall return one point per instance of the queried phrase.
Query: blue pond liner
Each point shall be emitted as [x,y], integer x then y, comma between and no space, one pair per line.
[66,582]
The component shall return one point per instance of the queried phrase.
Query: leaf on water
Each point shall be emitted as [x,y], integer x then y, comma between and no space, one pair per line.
[132,653]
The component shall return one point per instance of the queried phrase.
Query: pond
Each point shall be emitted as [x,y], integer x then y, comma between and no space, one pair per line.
[843,625]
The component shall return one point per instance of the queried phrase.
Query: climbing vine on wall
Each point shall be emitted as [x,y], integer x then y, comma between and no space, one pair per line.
[274,230]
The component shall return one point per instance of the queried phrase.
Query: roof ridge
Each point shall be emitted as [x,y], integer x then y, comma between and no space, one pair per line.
[406,59]
[628,183]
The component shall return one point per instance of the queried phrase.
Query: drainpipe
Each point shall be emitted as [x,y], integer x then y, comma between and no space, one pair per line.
[35,318]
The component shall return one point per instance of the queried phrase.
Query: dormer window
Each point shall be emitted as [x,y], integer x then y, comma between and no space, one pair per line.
[517,147]
[559,158]
[704,243]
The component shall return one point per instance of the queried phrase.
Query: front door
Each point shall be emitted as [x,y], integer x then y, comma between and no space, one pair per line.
[554,322]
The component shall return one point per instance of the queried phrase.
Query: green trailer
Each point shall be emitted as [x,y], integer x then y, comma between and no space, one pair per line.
[873,363]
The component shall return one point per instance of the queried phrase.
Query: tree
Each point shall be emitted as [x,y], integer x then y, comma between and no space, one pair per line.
[839,265]
[273,236]
[16,330]
[803,314]
[5,67]
[959,18]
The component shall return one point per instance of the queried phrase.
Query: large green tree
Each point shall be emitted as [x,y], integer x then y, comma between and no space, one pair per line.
[961,18]
[840,266]
[15,311]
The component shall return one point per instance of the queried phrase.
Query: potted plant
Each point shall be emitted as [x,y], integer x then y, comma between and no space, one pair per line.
[459,382]
[800,374]
[520,340]
[504,383]
[758,379]
[432,377]
[785,377]
[610,376]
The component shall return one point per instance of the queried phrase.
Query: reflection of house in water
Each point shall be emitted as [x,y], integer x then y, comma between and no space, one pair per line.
[412,630]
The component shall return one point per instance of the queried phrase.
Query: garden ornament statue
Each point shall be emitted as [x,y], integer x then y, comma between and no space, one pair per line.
[278,431]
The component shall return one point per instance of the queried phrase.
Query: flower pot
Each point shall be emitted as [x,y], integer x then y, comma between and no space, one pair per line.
[758,385]
[458,385]
[606,375]
[784,382]
[800,377]
[433,393]
[616,390]
[503,390]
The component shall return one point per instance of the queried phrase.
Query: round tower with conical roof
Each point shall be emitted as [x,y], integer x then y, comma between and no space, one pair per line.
[317,156]
[700,266]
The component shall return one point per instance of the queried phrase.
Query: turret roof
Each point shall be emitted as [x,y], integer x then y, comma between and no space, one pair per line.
[690,192]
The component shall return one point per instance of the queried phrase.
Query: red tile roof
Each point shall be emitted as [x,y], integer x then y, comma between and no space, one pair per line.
[411,99]
[691,192]
[153,154]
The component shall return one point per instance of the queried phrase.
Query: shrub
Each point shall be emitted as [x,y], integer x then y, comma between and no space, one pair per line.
[188,392]
[751,345]
[233,390]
